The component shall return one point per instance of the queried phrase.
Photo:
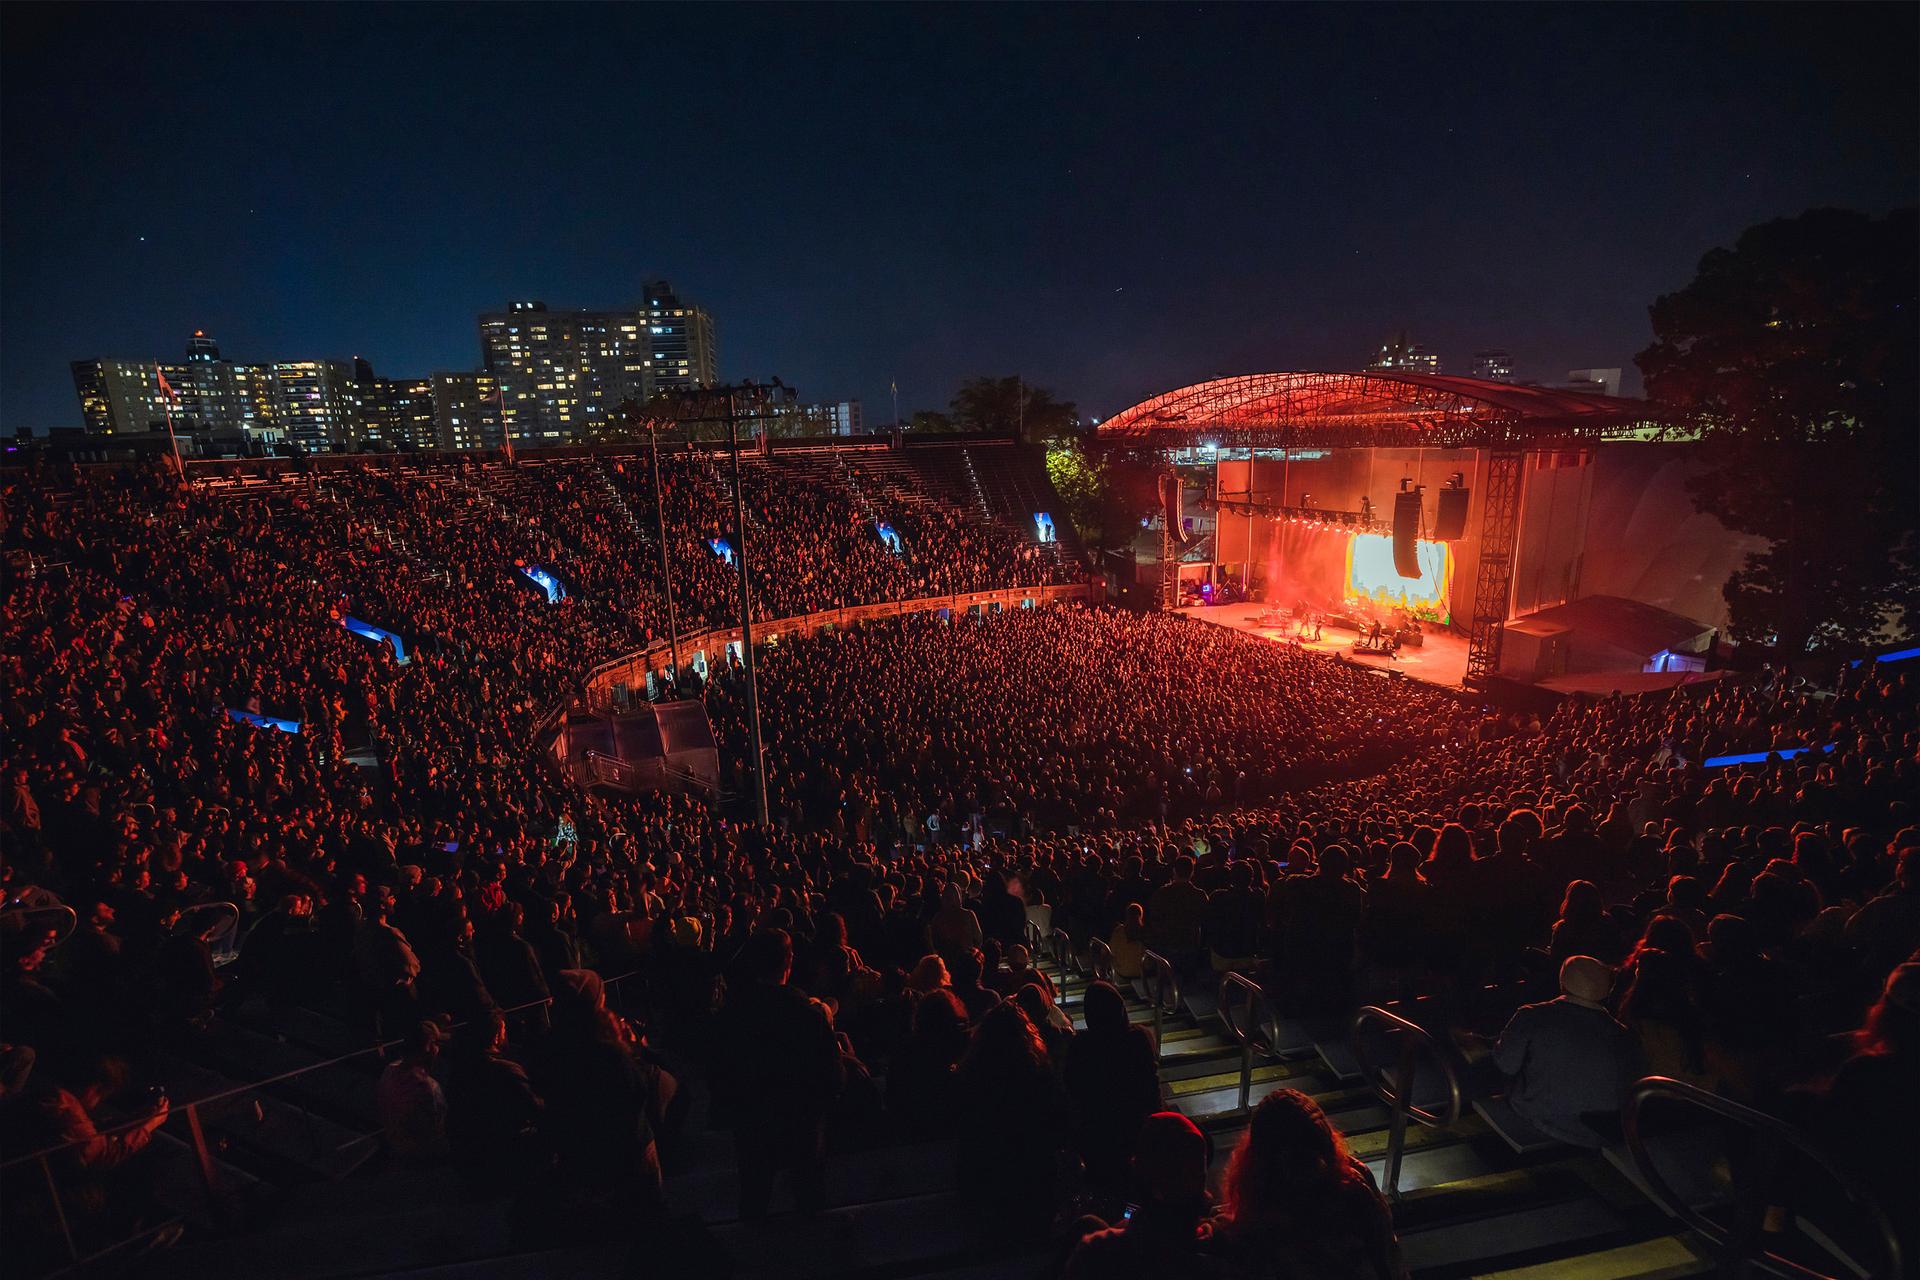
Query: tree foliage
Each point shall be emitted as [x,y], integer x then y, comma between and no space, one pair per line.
[1795,351]
[1013,406]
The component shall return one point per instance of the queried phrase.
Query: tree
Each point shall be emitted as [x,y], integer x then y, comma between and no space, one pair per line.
[1015,407]
[1795,351]
[929,421]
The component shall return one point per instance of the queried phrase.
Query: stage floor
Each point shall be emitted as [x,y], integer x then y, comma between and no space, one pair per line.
[1441,660]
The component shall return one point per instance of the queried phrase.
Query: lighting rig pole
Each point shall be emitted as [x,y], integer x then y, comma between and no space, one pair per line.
[723,404]
[653,423]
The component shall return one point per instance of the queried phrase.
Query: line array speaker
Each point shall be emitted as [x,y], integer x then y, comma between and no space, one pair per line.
[1450,518]
[1406,531]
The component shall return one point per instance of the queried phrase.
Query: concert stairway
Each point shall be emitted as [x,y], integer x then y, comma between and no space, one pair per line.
[1469,1206]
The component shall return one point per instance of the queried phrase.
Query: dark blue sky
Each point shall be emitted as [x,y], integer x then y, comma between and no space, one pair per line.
[1111,201]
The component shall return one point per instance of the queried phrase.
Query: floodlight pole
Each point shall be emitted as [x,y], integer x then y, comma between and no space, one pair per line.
[722,404]
[746,609]
[660,531]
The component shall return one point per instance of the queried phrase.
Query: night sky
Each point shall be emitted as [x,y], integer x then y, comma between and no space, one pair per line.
[1110,201]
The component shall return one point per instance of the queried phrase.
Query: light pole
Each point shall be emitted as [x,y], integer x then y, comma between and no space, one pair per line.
[660,532]
[723,404]
[746,608]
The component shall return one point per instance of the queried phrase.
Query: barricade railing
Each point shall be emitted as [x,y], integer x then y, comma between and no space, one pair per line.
[1395,1082]
[1163,991]
[599,680]
[191,1116]
[1253,1029]
[1742,1246]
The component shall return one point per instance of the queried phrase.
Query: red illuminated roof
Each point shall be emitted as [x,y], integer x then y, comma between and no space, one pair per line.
[1377,409]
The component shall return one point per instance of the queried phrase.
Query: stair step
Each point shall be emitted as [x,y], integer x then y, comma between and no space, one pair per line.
[1661,1258]
[1509,1235]
[858,1178]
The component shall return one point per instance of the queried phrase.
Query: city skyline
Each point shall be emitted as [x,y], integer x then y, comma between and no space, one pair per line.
[1278,188]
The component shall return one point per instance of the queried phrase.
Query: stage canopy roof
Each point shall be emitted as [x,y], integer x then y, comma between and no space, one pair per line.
[1380,410]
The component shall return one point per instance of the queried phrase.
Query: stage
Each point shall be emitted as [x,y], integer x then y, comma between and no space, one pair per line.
[1441,659]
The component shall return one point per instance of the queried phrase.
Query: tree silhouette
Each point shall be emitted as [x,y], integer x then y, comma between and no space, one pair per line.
[1796,352]
[1013,406]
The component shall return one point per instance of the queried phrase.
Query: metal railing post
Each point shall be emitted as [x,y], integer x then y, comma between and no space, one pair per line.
[203,1157]
[1396,1087]
[1160,977]
[1063,958]
[1239,1031]
[1744,1249]
[59,1209]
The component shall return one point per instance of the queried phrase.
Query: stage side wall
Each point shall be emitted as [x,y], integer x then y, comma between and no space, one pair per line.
[1646,542]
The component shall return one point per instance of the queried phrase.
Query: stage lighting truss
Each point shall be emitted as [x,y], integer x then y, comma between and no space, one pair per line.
[1362,521]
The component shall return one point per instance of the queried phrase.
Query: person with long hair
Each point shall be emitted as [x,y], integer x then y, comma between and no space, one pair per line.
[1008,1111]
[1660,1008]
[1583,928]
[1871,1090]
[1298,1203]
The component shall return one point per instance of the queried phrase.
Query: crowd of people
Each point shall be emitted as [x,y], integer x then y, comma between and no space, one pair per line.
[558,970]
[1043,719]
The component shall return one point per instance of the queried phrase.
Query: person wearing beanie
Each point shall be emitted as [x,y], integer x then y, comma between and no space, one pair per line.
[1165,1233]
[1568,1060]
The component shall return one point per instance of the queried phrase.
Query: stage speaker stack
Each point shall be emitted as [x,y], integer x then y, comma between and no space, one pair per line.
[1450,520]
[1406,531]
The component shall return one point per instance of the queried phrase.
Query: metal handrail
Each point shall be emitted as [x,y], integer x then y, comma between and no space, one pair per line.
[1250,1043]
[1063,957]
[1396,1088]
[60,919]
[223,942]
[1163,989]
[1746,1247]
[1099,959]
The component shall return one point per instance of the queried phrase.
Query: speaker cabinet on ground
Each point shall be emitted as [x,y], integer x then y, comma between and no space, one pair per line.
[1450,519]
[1406,531]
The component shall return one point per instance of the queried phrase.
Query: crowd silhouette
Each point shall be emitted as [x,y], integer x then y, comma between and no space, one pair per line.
[559,971]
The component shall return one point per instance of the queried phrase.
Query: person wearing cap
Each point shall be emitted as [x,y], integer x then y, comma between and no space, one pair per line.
[1569,1061]
[1165,1233]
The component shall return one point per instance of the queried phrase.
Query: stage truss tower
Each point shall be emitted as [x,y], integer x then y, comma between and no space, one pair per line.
[1493,586]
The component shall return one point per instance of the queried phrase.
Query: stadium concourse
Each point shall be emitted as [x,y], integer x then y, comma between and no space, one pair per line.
[1081,941]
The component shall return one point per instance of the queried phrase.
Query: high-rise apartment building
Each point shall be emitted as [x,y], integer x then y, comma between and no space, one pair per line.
[315,404]
[680,340]
[564,373]
[398,412]
[466,411]
[1494,365]
[119,396]
[550,377]
[1397,355]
